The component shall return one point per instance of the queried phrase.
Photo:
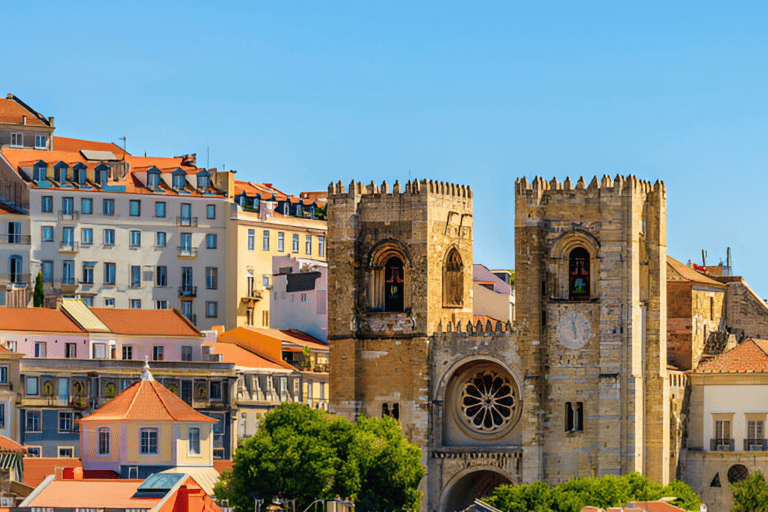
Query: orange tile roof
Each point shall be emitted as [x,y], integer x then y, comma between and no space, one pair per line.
[221,464]
[75,145]
[146,400]
[750,356]
[36,320]
[243,357]
[11,112]
[36,469]
[289,336]
[155,322]
[99,494]
[678,271]
[267,190]
[653,506]
[8,446]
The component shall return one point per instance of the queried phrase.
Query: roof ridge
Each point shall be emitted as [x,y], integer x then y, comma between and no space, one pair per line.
[162,401]
[133,400]
[758,346]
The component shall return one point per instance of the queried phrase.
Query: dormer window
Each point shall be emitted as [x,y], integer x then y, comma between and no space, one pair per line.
[242,200]
[60,172]
[299,210]
[79,173]
[39,171]
[102,174]
[153,178]
[179,179]
[203,180]
[286,208]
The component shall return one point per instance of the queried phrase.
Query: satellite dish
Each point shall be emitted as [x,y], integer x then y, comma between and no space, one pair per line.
[703,508]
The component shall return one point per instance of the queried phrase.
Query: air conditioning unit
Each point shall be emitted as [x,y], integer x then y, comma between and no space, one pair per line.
[6,502]
[756,447]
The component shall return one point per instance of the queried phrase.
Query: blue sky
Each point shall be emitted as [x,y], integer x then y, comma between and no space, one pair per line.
[303,93]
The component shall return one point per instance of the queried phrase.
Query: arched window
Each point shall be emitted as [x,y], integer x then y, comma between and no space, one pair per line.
[453,280]
[578,274]
[394,284]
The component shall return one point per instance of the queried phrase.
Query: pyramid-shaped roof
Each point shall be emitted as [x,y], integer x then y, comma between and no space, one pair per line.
[146,400]
[751,356]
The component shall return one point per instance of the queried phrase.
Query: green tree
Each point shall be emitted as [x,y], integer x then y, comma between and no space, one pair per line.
[751,494]
[306,454]
[38,295]
[686,497]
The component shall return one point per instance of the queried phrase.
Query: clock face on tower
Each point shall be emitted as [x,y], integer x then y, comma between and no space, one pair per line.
[573,331]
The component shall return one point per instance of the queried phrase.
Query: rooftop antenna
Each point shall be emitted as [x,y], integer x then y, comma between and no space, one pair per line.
[703,258]
[122,139]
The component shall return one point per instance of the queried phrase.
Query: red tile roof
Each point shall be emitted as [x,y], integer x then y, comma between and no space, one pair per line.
[150,322]
[11,112]
[146,400]
[8,446]
[75,145]
[36,469]
[751,356]
[243,357]
[290,336]
[98,494]
[36,320]
[267,190]
[678,271]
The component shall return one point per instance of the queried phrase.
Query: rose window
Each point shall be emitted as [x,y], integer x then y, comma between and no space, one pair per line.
[488,401]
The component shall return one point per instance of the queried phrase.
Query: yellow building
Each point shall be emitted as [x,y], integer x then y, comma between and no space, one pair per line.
[146,429]
[265,222]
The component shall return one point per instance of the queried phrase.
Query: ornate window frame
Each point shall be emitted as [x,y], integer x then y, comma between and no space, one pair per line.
[377,261]
[453,277]
[560,263]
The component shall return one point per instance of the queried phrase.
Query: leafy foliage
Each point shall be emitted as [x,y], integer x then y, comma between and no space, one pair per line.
[38,295]
[751,494]
[306,454]
[571,496]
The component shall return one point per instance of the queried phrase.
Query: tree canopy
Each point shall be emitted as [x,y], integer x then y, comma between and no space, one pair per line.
[306,454]
[38,295]
[608,491]
[751,494]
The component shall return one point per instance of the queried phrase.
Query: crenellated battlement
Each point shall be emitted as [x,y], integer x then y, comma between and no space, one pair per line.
[412,187]
[618,185]
[469,328]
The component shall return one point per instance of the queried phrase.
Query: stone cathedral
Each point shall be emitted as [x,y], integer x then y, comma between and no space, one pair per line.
[577,386]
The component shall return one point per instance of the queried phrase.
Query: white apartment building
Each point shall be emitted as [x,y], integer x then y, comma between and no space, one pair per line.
[299,298]
[121,231]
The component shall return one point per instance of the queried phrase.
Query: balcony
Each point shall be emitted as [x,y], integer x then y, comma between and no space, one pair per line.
[14,278]
[252,296]
[69,215]
[68,284]
[755,445]
[69,246]
[721,445]
[186,252]
[186,221]
[187,291]
[14,238]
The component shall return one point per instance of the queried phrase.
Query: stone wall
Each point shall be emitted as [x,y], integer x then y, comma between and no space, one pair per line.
[746,312]
[618,371]
[693,313]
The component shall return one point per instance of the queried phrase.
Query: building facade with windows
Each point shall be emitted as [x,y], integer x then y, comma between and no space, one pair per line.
[266,222]
[299,298]
[726,424]
[123,231]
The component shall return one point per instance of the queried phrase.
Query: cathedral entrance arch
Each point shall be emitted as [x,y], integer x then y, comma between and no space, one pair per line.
[469,485]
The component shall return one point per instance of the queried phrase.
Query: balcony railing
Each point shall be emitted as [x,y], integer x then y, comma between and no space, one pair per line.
[755,445]
[67,246]
[186,221]
[187,252]
[68,215]
[721,445]
[68,281]
[187,291]
[13,238]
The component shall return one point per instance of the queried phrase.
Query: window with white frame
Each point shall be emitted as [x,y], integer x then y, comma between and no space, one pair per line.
[135,304]
[308,245]
[103,441]
[148,441]
[66,452]
[251,239]
[135,238]
[3,375]
[194,441]
[127,353]
[86,236]
[321,246]
[280,241]
[17,139]
[161,304]
[65,421]
[295,248]
[33,451]
[41,141]
[265,240]
[33,421]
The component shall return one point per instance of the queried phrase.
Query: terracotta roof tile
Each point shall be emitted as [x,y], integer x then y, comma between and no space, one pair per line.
[36,469]
[156,322]
[751,356]
[8,446]
[243,357]
[678,271]
[75,145]
[36,320]
[290,336]
[11,112]
[146,400]
[98,494]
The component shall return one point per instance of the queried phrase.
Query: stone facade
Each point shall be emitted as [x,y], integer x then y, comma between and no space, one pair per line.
[746,312]
[577,386]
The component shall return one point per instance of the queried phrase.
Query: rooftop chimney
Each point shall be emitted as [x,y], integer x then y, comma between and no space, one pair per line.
[24,119]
